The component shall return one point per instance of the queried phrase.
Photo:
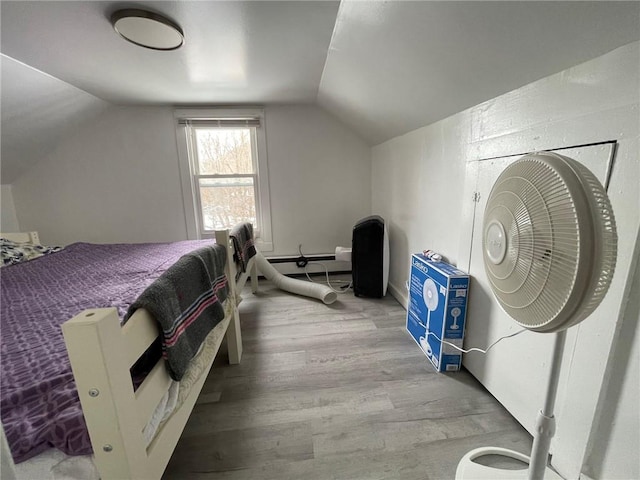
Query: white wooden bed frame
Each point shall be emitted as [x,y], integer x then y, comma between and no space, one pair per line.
[101,354]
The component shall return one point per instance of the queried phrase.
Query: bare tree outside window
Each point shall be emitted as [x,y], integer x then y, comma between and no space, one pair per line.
[224,170]
[226,177]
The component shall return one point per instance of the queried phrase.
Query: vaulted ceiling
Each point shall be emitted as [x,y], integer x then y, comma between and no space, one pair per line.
[383,67]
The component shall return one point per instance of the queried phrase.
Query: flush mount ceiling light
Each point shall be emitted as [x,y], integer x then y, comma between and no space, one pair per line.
[147,29]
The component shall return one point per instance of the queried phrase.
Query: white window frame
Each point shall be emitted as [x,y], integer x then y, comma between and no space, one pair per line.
[188,178]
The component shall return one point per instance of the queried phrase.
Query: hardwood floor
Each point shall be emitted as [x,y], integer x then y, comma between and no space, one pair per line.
[335,392]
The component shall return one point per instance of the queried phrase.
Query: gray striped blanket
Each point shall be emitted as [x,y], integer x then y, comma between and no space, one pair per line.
[187,302]
[243,245]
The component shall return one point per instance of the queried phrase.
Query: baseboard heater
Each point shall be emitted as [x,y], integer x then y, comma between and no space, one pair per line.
[310,258]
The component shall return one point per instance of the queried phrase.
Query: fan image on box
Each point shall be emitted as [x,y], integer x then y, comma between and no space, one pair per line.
[430,295]
[549,248]
[455,313]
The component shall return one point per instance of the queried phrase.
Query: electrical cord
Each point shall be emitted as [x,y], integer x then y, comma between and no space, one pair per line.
[303,262]
[474,349]
[344,288]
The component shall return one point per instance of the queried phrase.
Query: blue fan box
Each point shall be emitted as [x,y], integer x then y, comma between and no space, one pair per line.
[447,320]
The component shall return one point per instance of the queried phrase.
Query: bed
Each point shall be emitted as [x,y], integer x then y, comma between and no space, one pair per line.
[101,353]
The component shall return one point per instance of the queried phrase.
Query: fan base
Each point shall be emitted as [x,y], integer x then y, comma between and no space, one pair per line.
[470,470]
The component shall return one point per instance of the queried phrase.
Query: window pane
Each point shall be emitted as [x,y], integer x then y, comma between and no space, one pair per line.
[227,202]
[224,151]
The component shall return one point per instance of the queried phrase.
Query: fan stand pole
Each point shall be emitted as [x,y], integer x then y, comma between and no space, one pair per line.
[469,469]
[546,423]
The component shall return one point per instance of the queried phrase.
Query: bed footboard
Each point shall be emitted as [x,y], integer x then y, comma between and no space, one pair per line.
[98,359]
[101,353]
[234,334]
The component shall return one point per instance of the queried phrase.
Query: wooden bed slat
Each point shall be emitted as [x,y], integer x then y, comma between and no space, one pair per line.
[160,449]
[138,333]
[152,389]
[252,270]
[234,337]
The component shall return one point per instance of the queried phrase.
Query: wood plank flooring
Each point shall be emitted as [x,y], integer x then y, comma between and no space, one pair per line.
[335,392]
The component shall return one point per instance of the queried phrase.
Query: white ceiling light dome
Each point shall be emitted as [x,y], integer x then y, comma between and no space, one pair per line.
[147,29]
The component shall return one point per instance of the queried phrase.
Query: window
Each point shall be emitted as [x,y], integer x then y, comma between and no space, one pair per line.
[225,175]
[223,169]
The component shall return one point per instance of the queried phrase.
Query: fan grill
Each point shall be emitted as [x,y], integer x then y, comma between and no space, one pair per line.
[605,250]
[543,280]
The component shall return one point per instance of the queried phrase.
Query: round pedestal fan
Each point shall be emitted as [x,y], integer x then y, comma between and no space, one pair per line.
[549,248]
[430,296]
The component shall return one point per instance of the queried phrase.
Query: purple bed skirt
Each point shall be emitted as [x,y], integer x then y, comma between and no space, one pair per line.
[39,404]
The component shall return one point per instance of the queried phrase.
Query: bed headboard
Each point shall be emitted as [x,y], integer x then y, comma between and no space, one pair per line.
[22,237]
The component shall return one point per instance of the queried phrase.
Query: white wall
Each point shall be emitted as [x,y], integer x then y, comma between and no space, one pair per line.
[319,172]
[420,187]
[113,180]
[116,179]
[8,219]
[619,424]
[417,187]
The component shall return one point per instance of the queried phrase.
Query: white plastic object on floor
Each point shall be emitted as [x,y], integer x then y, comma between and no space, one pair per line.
[343,254]
[468,469]
[299,287]
[431,255]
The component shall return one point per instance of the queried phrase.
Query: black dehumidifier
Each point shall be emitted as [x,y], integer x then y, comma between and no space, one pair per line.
[370,257]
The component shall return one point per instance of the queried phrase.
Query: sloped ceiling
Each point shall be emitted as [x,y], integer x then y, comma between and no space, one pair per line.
[383,67]
[37,110]
[396,66]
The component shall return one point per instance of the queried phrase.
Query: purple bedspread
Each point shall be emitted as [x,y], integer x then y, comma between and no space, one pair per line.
[39,404]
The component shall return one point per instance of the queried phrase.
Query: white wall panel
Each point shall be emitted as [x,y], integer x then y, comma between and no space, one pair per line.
[320,172]
[114,180]
[618,429]
[417,183]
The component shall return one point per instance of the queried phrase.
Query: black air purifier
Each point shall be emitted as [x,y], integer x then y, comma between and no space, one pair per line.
[370,257]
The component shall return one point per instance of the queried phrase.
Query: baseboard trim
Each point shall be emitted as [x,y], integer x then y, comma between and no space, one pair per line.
[399,294]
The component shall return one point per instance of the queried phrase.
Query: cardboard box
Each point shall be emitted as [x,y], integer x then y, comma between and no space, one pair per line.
[438,300]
